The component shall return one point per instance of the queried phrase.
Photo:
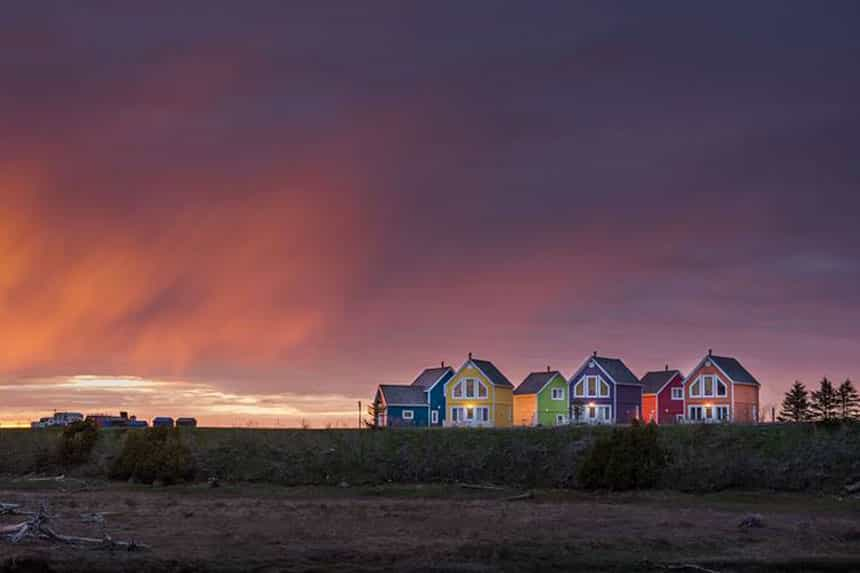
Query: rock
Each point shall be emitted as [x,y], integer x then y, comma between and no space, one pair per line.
[852,488]
[752,520]
[343,484]
[213,482]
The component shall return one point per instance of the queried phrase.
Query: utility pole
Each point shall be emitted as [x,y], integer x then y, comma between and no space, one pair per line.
[359,414]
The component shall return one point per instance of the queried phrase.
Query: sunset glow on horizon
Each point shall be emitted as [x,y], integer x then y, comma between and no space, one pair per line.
[250,222]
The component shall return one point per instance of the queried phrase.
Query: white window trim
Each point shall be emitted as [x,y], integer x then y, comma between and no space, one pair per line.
[560,419]
[701,382]
[714,419]
[408,414]
[598,386]
[465,395]
[434,416]
[560,392]
[680,392]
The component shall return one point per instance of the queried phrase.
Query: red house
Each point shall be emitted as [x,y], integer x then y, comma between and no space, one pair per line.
[663,396]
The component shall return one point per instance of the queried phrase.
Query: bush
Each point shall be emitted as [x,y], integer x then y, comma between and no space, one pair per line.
[155,454]
[627,458]
[76,443]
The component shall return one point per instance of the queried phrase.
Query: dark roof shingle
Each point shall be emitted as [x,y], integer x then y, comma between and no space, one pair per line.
[535,382]
[734,369]
[652,382]
[617,370]
[403,395]
[493,373]
[431,375]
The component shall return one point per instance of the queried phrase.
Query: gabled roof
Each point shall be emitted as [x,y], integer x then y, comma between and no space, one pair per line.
[402,395]
[617,370]
[493,373]
[654,382]
[733,369]
[431,375]
[535,382]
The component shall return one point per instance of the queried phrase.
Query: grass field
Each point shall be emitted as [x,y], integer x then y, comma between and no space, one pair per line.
[263,527]
[700,458]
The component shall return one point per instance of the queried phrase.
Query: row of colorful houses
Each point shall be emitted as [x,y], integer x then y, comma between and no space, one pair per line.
[601,391]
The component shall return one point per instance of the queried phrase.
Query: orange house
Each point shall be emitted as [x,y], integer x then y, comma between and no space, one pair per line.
[720,389]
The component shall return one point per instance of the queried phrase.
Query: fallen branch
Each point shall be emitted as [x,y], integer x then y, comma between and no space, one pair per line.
[479,486]
[522,496]
[37,527]
[691,566]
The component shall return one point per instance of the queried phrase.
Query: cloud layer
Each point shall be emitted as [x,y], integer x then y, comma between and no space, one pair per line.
[293,200]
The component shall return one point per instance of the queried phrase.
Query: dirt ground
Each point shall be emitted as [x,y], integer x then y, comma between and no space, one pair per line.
[432,528]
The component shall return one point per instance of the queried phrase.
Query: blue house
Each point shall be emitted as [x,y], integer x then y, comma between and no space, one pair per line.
[432,380]
[604,391]
[401,406]
[420,404]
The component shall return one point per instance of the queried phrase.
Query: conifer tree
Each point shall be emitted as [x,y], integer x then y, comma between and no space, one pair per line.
[848,401]
[374,409]
[795,405]
[824,405]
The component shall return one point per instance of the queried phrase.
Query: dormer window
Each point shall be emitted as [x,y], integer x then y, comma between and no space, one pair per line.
[470,388]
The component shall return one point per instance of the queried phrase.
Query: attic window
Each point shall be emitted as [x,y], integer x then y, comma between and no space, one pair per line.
[470,388]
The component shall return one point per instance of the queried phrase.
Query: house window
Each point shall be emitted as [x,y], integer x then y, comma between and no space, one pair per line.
[408,414]
[722,413]
[470,414]
[677,393]
[484,414]
[434,416]
[455,414]
[599,414]
[558,393]
[695,413]
[470,388]
[560,419]
[679,418]
[591,387]
[708,387]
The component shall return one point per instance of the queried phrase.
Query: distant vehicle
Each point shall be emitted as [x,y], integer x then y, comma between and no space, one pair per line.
[162,422]
[186,422]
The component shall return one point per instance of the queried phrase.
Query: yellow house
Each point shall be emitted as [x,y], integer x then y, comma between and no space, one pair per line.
[479,395]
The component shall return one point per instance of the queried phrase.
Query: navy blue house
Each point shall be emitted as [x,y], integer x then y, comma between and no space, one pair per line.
[417,405]
[432,380]
[604,391]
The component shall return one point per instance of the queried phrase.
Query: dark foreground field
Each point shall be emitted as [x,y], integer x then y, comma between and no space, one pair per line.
[433,528]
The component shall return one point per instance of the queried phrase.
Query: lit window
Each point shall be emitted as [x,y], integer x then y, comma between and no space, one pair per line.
[470,413]
[579,389]
[709,385]
[458,390]
[604,389]
[592,386]
[482,390]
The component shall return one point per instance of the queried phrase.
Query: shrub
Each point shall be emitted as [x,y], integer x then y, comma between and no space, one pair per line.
[626,458]
[155,454]
[76,443]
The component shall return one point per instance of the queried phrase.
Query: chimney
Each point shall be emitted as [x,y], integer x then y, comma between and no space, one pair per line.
[547,368]
[710,352]
[470,356]
[595,354]
[667,368]
[443,364]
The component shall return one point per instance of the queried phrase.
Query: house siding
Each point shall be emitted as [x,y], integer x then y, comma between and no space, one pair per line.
[437,399]
[746,403]
[525,410]
[547,408]
[629,403]
[394,417]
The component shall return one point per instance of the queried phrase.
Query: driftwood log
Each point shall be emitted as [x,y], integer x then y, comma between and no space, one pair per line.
[37,527]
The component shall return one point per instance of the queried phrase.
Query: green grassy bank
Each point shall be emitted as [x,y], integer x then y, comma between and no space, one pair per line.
[697,458]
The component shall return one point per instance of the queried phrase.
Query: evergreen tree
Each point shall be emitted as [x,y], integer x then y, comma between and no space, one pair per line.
[824,405]
[795,405]
[848,401]
[374,409]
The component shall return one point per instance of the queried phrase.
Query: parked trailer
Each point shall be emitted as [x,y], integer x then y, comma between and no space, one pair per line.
[162,422]
[186,422]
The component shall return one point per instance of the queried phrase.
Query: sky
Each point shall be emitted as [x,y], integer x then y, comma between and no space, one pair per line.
[254,213]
